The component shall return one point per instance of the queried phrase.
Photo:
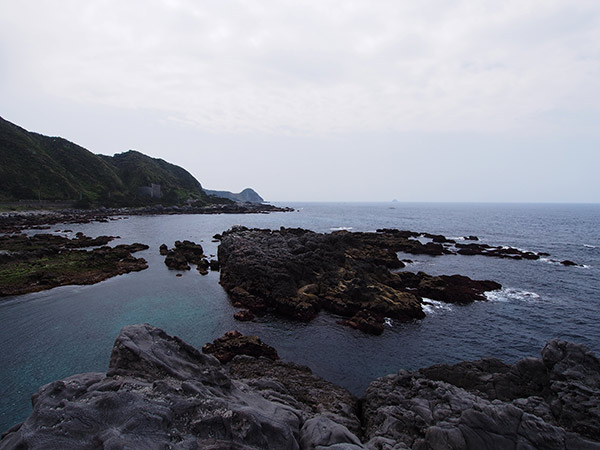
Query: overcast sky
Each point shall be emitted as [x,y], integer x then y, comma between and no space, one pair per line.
[436,100]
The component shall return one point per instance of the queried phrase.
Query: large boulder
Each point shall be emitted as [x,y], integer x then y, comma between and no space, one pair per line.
[234,343]
[158,393]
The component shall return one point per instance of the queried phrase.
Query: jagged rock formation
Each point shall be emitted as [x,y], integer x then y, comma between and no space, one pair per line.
[547,403]
[160,392]
[234,343]
[296,273]
[184,253]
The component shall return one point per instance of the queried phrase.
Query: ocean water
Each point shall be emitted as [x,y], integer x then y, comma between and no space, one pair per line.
[50,335]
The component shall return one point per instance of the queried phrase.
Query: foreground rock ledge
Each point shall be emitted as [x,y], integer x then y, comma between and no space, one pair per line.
[160,392]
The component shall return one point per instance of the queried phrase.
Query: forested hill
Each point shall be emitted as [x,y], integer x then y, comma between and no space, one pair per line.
[37,167]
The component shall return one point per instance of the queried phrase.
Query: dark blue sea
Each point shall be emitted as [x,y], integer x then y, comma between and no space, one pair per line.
[50,335]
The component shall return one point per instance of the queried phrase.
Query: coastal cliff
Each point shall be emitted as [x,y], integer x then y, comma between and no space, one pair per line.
[160,392]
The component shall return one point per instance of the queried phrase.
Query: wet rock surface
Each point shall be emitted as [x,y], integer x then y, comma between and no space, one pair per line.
[296,273]
[160,392]
[446,288]
[568,262]
[43,261]
[183,254]
[234,343]
[243,315]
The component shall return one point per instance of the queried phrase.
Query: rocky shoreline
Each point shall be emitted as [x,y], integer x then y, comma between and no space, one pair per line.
[296,273]
[15,222]
[44,261]
[160,392]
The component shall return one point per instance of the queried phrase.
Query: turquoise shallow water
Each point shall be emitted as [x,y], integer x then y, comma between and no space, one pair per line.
[50,335]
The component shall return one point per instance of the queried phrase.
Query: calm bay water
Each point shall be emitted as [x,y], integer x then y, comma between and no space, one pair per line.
[50,335]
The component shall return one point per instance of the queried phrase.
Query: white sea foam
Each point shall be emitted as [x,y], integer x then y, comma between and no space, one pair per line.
[556,262]
[589,246]
[422,239]
[511,294]
[550,261]
[433,306]
[522,250]
[341,228]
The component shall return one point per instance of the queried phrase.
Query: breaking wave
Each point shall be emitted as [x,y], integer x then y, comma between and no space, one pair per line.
[511,294]
[434,306]
[550,261]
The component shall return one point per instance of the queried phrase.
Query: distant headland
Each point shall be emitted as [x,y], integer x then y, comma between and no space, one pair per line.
[248,195]
[41,170]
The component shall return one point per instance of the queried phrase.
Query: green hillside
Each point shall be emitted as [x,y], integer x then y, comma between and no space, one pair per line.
[137,170]
[37,167]
[33,166]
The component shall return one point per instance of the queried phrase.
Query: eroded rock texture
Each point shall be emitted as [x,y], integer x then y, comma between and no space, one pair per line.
[184,254]
[161,393]
[234,343]
[296,273]
[547,403]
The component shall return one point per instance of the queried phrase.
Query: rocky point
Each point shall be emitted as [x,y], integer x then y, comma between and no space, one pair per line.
[296,273]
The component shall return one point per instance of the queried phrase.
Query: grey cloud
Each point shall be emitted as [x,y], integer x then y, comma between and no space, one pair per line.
[204,57]
[325,71]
